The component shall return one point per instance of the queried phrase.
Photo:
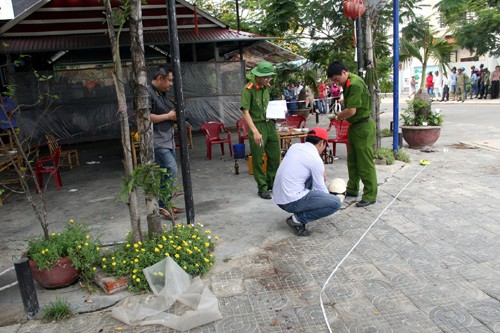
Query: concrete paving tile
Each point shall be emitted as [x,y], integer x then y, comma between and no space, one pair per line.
[486,311]
[489,286]
[454,318]
[474,271]
[237,323]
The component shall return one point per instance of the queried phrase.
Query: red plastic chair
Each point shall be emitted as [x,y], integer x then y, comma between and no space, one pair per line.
[342,130]
[295,121]
[212,131]
[50,165]
[242,129]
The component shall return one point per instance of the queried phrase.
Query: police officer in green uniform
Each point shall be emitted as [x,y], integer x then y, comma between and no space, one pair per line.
[361,138]
[262,134]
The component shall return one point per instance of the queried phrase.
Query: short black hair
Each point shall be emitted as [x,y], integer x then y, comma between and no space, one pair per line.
[162,71]
[335,68]
[314,140]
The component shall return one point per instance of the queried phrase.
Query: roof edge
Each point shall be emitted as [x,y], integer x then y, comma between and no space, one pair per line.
[22,16]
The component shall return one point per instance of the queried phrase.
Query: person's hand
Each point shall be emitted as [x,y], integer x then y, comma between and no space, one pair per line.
[172,115]
[258,138]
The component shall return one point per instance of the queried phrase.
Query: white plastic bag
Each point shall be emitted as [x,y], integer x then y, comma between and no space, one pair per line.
[170,283]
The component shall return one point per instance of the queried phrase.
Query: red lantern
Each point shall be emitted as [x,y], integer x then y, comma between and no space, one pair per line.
[353,8]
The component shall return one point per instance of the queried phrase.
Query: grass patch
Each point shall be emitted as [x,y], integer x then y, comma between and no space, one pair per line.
[390,157]
[57,310]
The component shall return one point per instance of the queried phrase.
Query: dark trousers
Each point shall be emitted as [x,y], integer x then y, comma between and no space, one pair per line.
[446,93]
[495,85]
[483,90]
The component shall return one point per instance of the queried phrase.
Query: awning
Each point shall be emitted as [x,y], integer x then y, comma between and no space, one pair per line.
[265,51]
[80,42]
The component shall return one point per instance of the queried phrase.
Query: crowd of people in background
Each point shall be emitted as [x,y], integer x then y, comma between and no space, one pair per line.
[325,101]
[478,83]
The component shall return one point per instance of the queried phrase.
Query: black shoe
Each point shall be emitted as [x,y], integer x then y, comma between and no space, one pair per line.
[265,195]
[302,231]
[350,195]
[292,223]
[363,203]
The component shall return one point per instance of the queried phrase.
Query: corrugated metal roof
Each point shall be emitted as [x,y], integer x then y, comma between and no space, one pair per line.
[80,42]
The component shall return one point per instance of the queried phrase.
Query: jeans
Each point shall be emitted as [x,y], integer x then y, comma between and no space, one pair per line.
[165,158]
[323,106]
[430,91]
[313,206]
[473,90]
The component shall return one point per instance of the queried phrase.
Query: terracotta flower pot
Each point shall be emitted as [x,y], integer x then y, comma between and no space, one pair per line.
[63,274]
[420,136]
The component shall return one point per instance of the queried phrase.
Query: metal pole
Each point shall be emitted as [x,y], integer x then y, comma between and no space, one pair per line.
[27,287]
[181,112]
[359,46]
[395,88]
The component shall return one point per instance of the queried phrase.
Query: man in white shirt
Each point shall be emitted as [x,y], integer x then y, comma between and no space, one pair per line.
[299,186]
[438,85]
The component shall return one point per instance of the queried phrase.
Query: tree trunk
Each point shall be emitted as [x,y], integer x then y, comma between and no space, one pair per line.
[371,76]
[141,104]
[135,220]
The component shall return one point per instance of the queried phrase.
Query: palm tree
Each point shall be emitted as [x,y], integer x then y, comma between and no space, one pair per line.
[419,41]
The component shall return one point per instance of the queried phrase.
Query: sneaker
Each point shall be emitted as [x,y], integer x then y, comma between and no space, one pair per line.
[265,195]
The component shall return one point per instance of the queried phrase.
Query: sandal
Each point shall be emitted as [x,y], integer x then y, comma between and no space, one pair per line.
[166,214]
[177,210]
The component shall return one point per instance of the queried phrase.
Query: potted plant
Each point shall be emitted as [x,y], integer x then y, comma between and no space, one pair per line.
[62,258]
[421,125]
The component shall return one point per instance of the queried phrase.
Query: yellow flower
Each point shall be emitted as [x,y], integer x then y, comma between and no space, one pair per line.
[124,261]
[139,242]
[46,250]
[112,258]
[93,268]
[160,246]
[207,231]
[177,255]
[171,242]
[194,236]
[53,234]
[79,246]
[184,267]
[143,250]
[216,237]
[86,244]
[103,266]
[178,248]
[134,271]
[87,237]
[207,244]
[136,245]
[128,245]
[164,238]
[136,260]
[103,259]
[133,276]
[166,254]
[138,280]
[206,260]
[43,251]
[157,249]
[114,264]
[170,237]
[136,250]
[211,255]
[197,265]
[71,221]
[98,249]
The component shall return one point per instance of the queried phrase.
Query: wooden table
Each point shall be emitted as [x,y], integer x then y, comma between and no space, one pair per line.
[7,175]
[287,136]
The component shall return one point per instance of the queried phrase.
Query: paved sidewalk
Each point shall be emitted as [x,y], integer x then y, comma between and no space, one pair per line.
[430,263]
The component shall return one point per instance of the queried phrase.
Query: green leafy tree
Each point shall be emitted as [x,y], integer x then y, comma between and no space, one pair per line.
[420,41]
[475,24]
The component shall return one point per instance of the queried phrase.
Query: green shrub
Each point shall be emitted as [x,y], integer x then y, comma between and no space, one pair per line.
[385,132]
[189,246]
[389,156]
